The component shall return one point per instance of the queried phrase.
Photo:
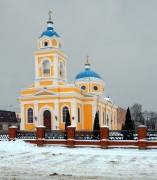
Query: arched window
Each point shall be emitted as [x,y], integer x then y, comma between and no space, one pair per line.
[79,118]
[46,67]
[61,69]
[45,43]
[30,115]
[64,113]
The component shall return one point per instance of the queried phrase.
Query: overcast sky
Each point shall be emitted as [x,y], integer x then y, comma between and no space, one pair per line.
[120,37]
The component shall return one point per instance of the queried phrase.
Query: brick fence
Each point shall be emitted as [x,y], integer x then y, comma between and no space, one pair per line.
[103,141]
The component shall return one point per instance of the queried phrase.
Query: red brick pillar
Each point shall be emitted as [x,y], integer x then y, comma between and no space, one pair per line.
[104,134]
[142,134]
[40,135]
[70,136]
[12,133]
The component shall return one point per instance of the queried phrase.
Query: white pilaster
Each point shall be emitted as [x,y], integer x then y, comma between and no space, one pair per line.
[36,115]
[74,114]
[55,122]
[22,124]
[36,68]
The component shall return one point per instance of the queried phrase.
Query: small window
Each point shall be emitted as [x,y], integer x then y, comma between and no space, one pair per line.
[61,69]
[10,115]
[30,115]
[46,43]
[83,87]
[1,115]
[107,120]
[46,67]
[64,113]
[79,120]
[95,88]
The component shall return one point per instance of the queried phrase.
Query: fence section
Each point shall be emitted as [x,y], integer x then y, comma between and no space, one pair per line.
[71,137]
[152,135]
[25,134]
[4,134]
[87,135]
[123,135]
[55,134]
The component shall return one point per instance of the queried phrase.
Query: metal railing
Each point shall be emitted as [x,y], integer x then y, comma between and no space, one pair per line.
[87,135]
[55,134]
[4,134]
[151,135]
[20,134]
[123,135]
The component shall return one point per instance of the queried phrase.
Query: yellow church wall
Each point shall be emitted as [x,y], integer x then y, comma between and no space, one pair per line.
[32,86]
[41,58]
[52,98]
[88,117]
[41,105]
[40,72]
[61,105]
[52,71]
[28,126]
[25,92]
[48,52]
[99,87]
[46,83]
[84,84]
[54,42]
[61,84]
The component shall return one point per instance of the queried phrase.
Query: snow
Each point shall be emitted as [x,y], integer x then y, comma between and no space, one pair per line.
[22,161]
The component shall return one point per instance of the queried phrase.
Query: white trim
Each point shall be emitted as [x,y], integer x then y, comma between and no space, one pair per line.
[43,91]
[22,124]
[65,105]
[41,115]
[29,107]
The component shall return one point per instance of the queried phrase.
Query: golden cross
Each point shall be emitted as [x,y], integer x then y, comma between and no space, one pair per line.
[49,15]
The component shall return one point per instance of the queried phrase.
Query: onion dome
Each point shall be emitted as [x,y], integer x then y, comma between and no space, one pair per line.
[50,30]
[87,73]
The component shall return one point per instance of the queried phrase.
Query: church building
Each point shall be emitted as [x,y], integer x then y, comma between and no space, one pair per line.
[47,100]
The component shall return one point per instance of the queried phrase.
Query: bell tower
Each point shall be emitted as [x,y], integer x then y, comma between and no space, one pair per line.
[50,60]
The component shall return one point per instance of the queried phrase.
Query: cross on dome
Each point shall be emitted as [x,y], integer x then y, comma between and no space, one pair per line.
[87,62]
[87,65]
[49,13]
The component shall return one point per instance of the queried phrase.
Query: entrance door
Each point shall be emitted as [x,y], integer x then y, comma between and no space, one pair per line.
[47,119]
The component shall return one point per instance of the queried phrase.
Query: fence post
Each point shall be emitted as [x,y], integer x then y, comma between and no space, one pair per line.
[142,134]
[12,133]
[70,136]
[104,135]
[40,135]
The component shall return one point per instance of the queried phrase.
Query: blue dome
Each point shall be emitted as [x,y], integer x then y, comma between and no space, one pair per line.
[50,31]
[87,73]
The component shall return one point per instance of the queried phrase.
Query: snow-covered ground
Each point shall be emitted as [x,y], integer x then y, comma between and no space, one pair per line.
[20,160]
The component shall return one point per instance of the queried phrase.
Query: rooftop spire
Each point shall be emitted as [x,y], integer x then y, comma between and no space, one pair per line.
[49,22]
[87,65]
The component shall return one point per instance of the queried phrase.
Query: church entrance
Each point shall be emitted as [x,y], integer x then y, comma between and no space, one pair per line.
[47,119]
